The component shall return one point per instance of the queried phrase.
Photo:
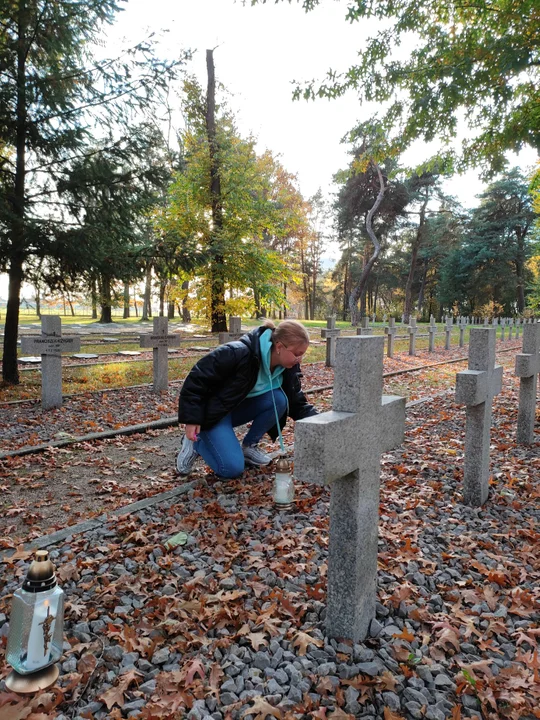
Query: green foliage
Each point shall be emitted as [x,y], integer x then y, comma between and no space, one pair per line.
[261,208]
[431,62]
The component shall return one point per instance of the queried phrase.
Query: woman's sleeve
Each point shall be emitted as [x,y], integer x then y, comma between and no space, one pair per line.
[299,407]
[205,377]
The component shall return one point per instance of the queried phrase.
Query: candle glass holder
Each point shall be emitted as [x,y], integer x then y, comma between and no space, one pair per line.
[283,491]
[36,625]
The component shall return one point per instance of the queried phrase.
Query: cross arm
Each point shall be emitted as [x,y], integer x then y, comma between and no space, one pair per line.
[330,332]
[471,387]
[393,421]
[324,447]
[527,364]
[149,340]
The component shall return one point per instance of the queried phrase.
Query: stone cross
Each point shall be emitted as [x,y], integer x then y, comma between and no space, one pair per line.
[462,326]
[412,336]
[50,345]
[342,448]
[160,341]
[432,329]
[448,333]
[391,330]
[476,388]
[510,328]
[527,369]
[235,330]
[331,333]
[486,322]
[364,329]
[503,327]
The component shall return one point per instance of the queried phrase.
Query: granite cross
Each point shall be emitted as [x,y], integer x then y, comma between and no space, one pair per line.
[391,330]
[476,388]
[527,369]
[364,329]
[503,327]
[50,345]
[432,329]
[343,448]
[331,333]
[235,330]
[448,333]
[412,336]
[160,341]
[462,327]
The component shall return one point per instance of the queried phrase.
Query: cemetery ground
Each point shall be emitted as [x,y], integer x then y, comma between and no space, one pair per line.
[231,623]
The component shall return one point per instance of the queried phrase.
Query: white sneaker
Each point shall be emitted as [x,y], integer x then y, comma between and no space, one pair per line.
[254,456]
[186,457]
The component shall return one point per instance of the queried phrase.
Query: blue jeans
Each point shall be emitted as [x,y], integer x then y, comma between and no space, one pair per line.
[219,446]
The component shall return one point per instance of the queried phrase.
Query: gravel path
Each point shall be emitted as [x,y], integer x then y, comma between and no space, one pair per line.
[231,625]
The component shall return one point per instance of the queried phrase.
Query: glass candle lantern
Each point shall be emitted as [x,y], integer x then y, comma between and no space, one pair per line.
[36,627]
[283,493]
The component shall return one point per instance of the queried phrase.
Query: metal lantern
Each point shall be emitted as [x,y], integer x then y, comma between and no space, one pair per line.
[36,629]
[283,493]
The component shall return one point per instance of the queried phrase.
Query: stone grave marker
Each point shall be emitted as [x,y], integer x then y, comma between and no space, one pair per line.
[331,333]
[527,369]
[235,330]
[160,341]
[364,329]
[510,328]
[476,388]
[432,330]
[50,345]
[84,356]
[462,327]
[448,332]
[503,328]
[343,448]
[412,336]
[391,331]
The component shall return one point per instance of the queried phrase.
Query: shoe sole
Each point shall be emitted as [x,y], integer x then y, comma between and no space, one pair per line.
[251,463]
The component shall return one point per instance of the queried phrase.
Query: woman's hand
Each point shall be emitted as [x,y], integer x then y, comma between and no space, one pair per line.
[192,432]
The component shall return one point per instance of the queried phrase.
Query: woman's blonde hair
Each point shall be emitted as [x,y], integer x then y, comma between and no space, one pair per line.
[288,332]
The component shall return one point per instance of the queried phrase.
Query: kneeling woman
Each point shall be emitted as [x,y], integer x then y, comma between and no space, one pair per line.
[255,379]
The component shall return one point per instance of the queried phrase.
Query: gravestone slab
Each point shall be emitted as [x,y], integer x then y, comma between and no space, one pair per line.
[50,345]
[235,330]
[330,333]
[160,341]
[84,356]
[343,448]
[527,369]
[129,353]
[476,388]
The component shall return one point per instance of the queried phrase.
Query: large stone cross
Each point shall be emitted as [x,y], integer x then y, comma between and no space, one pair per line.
[343,448]
[476,388]
[331,333]
[527,369]
[160,341]
[448,332]
[235,330]
[50,345]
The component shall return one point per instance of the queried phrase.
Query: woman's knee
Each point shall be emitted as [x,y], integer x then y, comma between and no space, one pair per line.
[231,467]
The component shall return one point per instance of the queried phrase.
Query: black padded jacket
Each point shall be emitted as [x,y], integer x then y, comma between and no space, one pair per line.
[223,378]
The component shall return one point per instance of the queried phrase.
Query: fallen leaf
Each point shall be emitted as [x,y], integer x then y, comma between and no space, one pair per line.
[302,640]
[260,709]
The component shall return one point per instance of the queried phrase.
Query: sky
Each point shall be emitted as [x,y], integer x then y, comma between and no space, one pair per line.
[259,52]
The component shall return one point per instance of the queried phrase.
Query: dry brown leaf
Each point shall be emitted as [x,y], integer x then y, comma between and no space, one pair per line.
[115,695]
[389,715]
[260,709]
[20,711]
[302,640]
[257,640]
[339,714]
[87,664]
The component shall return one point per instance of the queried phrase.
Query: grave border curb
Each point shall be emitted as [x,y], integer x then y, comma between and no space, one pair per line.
[80,528]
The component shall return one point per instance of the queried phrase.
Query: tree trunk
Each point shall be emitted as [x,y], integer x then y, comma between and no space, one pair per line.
[359,289]
[217,281]
[135,302]
[162,291]
[94,294]
[407,309]
[422,289]
[38,301]
[170,309]
[10,370]
[106,304]
[126,300]
[147,305]
[186,315]
[520,267]
[70,303]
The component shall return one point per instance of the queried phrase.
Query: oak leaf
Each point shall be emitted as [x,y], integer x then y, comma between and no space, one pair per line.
[302,640]
[20,711]
[87,664]
[257,639]
[195,668]
[115,695]
[260,709]
[389,715]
